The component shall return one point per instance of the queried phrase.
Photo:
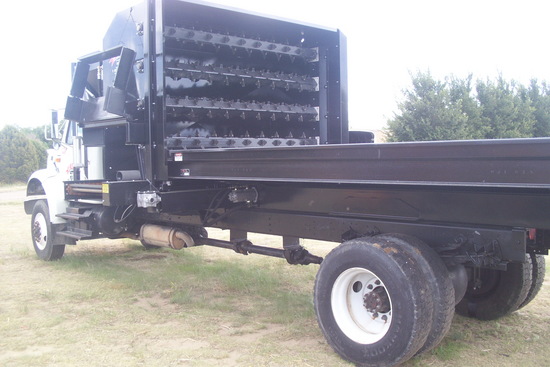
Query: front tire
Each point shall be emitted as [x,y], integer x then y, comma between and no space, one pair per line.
[42,234]
[373,302]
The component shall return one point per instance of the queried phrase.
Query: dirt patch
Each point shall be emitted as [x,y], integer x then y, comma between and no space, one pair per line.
[156,303]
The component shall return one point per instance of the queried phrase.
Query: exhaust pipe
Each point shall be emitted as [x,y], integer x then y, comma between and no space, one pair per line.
[173,238]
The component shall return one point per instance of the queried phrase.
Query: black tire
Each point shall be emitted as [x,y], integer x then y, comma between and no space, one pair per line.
[42,233]
[538,266]
[499,293]
[439,281]
[373,302]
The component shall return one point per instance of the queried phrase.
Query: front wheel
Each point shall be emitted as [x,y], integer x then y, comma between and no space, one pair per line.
[373,302]
[42,234]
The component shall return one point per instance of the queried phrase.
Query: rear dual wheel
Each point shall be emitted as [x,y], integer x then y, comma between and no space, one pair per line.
[538,271]
[492,294]
[439,282]
[375,301]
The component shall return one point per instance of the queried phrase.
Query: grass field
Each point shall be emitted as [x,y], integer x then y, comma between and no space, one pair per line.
[111,303]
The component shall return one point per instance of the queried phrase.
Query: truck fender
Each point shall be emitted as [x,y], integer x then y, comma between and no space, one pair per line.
[42,185]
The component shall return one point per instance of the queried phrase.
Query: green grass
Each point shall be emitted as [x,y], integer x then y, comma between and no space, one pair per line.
[187,279]
[449,350]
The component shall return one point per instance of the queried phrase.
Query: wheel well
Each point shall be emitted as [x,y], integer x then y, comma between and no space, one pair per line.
[34,187]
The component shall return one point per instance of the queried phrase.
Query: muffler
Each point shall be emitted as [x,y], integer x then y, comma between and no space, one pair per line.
[459,276]
[156,235]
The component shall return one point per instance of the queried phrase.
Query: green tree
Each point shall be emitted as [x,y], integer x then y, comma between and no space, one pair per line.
[454,109]
[504,112]
[540,99]
[462,95]
[36,135]
[436,110]
[18,155]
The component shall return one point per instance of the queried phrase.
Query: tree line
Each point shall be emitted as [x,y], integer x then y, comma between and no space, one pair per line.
[22,151]
[461,108]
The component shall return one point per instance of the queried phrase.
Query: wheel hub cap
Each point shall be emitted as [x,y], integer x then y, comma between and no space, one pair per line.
[39,232]
[377,301]
[36,232]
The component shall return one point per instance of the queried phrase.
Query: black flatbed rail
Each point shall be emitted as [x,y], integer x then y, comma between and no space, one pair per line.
[511,163]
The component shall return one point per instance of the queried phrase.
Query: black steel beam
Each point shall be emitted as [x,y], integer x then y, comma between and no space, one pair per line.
[226,75]
[517,163]
[101,56]
[217,40]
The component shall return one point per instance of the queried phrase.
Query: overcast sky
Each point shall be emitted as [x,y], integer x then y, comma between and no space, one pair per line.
[386,40]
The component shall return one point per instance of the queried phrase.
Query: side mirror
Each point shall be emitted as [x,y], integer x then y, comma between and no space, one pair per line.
[51,132]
